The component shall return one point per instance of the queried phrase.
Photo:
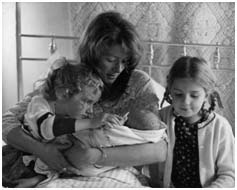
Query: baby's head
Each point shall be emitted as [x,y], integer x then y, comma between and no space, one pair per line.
[75,85]
[190,84]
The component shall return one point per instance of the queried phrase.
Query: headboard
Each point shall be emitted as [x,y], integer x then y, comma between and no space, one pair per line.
[156,71]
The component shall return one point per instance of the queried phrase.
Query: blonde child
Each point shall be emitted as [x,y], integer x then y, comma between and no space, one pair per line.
[63,106]
[201,142]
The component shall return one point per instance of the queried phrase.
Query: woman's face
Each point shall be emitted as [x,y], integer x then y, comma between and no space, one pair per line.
[112,63]
[187,98]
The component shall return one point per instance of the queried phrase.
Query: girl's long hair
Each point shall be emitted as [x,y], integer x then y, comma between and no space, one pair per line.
[106,30]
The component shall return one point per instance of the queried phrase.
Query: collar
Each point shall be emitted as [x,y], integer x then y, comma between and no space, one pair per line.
[201,123]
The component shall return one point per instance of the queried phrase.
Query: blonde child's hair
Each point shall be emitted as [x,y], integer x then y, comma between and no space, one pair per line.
[198,70]
[66,79]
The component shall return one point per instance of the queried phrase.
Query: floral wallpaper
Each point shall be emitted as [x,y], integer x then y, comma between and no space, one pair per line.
[175,22]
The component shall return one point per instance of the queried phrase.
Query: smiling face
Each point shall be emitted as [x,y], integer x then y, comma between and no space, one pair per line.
[187,98]
[112,63]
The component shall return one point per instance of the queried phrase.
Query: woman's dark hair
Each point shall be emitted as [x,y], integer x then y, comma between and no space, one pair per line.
[106,30]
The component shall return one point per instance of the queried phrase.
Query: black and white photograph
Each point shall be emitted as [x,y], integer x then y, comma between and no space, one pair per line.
[118,94]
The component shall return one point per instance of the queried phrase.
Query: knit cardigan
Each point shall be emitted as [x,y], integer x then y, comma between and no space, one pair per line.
[216,150]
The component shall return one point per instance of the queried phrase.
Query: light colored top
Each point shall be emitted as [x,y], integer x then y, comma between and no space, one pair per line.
[216,150]
[37,108]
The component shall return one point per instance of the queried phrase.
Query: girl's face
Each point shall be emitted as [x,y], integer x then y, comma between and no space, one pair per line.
[187,98]
[81,104]
[112,63]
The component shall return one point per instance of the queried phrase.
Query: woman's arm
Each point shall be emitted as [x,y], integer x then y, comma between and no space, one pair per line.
[132,155]
[47,152]
[15,136]
[14,117]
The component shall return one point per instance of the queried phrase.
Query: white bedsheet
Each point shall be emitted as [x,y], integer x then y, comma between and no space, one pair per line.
[117,178]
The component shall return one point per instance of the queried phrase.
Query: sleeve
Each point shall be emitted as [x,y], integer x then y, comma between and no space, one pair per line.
[225,166]
[39,118]
[144,108]
[14,116]
[43,123]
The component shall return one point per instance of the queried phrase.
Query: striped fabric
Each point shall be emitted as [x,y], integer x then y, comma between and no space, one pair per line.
[116,178]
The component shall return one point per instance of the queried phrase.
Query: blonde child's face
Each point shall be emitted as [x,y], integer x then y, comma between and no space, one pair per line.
[187,98]
[81,104]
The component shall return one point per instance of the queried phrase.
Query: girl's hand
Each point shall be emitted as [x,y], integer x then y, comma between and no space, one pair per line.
[52,155]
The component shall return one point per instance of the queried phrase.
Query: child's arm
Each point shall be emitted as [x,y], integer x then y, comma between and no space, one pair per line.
[62,125]
[225,166]
[50,126]
[43,124]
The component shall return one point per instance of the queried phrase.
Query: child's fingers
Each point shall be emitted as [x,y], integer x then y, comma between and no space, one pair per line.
[116,120]
[112,118]
[126,115]
[108,125]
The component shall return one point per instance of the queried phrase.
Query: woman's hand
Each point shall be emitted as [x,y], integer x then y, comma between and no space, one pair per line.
[49,153]
[80,156]
[52,155]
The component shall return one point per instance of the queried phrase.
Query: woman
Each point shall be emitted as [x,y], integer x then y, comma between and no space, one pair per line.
[112,47]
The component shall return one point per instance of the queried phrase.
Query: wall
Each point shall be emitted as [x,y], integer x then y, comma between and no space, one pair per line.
[208,23]
[172,22]
[9,85]
[36,18]
[47,19]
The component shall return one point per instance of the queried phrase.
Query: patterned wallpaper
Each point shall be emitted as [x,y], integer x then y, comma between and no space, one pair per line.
[190,22]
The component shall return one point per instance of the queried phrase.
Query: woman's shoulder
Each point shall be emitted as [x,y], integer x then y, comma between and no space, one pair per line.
[139,79]
[142,83]
[140,75]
